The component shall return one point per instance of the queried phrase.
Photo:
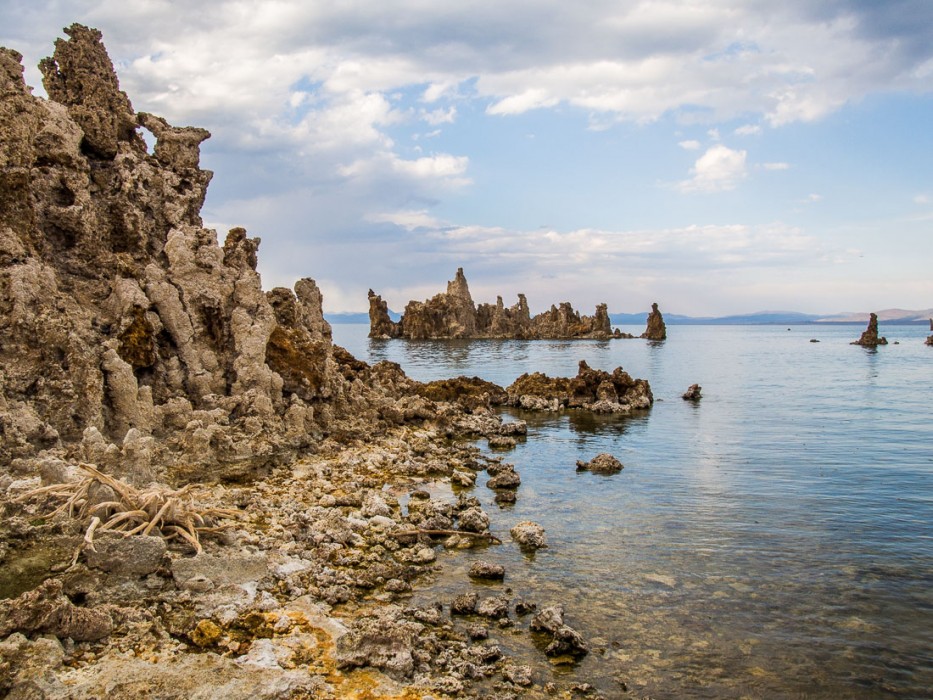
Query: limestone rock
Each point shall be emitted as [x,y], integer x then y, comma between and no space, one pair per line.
[693,391]
[869,337]
[46,610]
[529,535]
[454,315]
[591,389]
[603,463]
[129,337]
[655,329]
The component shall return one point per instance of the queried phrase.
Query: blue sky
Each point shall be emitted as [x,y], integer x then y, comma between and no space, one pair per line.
[716,157]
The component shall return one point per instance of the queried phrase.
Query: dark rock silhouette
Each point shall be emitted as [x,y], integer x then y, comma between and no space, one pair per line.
[655,329]
[453,314]
[869,337]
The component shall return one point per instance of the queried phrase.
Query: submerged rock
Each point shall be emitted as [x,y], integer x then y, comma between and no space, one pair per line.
[454,315]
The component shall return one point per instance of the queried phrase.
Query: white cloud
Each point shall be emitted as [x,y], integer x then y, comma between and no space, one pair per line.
[922,199]
[776,166]
[409,220]
[690,145]
[717,170]
[440,116]
[748,130]
[534,98]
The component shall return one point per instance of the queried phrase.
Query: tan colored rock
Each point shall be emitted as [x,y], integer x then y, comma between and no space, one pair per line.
[454,315]
[655,329]
[870,337]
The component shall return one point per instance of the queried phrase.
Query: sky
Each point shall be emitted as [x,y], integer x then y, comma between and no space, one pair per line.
[716,157]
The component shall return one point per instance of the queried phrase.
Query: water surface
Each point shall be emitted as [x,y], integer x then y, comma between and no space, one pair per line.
[774,540]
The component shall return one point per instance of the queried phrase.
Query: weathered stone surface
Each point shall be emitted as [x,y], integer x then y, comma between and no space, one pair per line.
[870,337]
[46,610]
[454,315]
[655,328]
[591,389]
[122,556]
[128,336]
[693,392]
[565,641]
[603,463]
[487,570]
[529,535]
[384,640]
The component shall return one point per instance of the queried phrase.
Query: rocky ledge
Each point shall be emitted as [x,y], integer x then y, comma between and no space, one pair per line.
[454,315]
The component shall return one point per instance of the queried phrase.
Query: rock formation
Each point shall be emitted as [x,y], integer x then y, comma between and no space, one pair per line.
[655,330]
[591,389]
[131,340]
[869,337]
[128,337]
[693,392]
[454,315]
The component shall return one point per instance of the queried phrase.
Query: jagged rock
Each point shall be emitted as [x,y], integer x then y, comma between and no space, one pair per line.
[929,340]
[565,640]
[529,535]
[122,318]
[869,337]
[655,329]
[590,389]
[601,464]
[454,315]
[384,640]
[46,610]
[693,391]
[464,604]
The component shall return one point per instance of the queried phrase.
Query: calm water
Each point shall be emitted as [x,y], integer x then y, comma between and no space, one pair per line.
[774,540]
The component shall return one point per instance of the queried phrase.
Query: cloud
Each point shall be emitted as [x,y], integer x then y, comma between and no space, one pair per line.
[922,199]
[748,130]
[776,166]
[717,170]
[690,145]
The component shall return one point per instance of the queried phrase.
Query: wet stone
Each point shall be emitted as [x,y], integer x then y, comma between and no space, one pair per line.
[487,570]
[464,604]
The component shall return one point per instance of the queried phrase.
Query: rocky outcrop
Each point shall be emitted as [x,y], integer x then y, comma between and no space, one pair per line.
[655,329]
[128,336]
[603,463]
[454,315]
[869,337]
[693,393]
[591,389]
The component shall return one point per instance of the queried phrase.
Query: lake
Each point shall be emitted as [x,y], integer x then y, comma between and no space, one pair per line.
[773,540]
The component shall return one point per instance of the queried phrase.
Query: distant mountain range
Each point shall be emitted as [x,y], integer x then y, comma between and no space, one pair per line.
[889,316]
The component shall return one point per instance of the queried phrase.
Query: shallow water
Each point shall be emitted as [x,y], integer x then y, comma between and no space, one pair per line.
[774,540]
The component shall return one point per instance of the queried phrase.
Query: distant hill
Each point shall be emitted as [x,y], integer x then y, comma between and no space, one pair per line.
[885,316]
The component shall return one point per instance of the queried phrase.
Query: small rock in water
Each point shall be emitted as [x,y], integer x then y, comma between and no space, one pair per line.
[464,604]
[529,535]
[601,464]
[693,393]
[487,570]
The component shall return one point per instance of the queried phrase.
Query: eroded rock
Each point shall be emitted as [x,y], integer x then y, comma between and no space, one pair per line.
[454,315]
